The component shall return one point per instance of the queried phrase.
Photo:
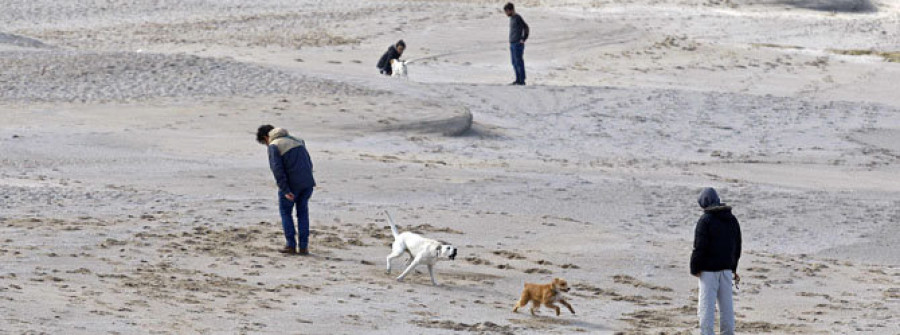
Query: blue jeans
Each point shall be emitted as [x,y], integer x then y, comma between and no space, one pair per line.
[286,207]
[517,50]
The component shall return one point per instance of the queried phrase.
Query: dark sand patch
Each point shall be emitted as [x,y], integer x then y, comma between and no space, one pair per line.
[486,327]
[629,280]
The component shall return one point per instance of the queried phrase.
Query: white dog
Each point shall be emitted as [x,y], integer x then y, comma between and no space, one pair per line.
[398,68]
[420,249]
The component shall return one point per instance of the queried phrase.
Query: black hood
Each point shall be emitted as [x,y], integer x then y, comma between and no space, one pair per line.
[709,198]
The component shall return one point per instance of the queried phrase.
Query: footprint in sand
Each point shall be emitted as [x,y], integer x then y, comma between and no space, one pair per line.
[629,280]
[508,254]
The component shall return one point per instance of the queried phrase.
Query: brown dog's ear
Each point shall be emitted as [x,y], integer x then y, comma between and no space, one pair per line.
[556,280]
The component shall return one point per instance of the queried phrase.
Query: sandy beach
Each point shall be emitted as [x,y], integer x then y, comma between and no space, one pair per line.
[134,199]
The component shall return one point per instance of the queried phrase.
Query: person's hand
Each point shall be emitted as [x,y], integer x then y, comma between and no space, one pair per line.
[522,41]
[289,196]
[737,279]
[696,274]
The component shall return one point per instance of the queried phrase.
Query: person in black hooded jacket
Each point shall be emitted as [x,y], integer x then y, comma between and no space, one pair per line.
[717,239]
[717,249]
[393,52]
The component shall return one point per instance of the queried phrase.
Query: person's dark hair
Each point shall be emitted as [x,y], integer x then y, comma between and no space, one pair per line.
[262,132]
[509,7]
[401,44]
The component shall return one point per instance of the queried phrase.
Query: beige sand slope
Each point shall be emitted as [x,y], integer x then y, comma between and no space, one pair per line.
[133,199]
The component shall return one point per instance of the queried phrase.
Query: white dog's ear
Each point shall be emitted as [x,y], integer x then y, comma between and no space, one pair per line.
[436,250]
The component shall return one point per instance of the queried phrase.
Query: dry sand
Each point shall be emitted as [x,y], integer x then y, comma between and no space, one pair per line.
[134,200]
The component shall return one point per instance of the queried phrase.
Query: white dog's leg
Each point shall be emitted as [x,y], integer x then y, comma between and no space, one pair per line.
[409,261]
[431,272]
[395,252]
[411,267]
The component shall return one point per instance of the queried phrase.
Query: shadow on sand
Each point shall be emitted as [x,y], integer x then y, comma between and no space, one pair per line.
[838,6]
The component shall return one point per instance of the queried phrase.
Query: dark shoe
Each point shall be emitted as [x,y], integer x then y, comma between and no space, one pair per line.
[303,252]
[288,250]
[514,83]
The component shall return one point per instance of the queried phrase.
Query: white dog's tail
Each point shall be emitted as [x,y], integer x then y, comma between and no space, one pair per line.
[393,225]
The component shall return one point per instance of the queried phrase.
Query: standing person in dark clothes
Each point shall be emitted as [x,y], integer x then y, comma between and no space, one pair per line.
[292,168]
[393,52]
[518,33]
[717,249]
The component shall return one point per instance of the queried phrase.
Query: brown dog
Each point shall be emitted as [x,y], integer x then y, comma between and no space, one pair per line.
[546,294]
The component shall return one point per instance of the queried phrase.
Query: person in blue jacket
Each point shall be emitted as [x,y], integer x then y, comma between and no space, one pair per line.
[293,171]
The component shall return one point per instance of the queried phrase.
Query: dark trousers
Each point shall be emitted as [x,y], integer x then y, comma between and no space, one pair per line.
[517,51]
[286,207]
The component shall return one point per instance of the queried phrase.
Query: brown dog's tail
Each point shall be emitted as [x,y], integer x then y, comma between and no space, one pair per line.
[393,225]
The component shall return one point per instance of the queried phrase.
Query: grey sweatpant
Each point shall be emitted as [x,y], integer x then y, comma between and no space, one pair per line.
[715,286]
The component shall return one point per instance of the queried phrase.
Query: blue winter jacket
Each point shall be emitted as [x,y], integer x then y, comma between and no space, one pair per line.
[290,162]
